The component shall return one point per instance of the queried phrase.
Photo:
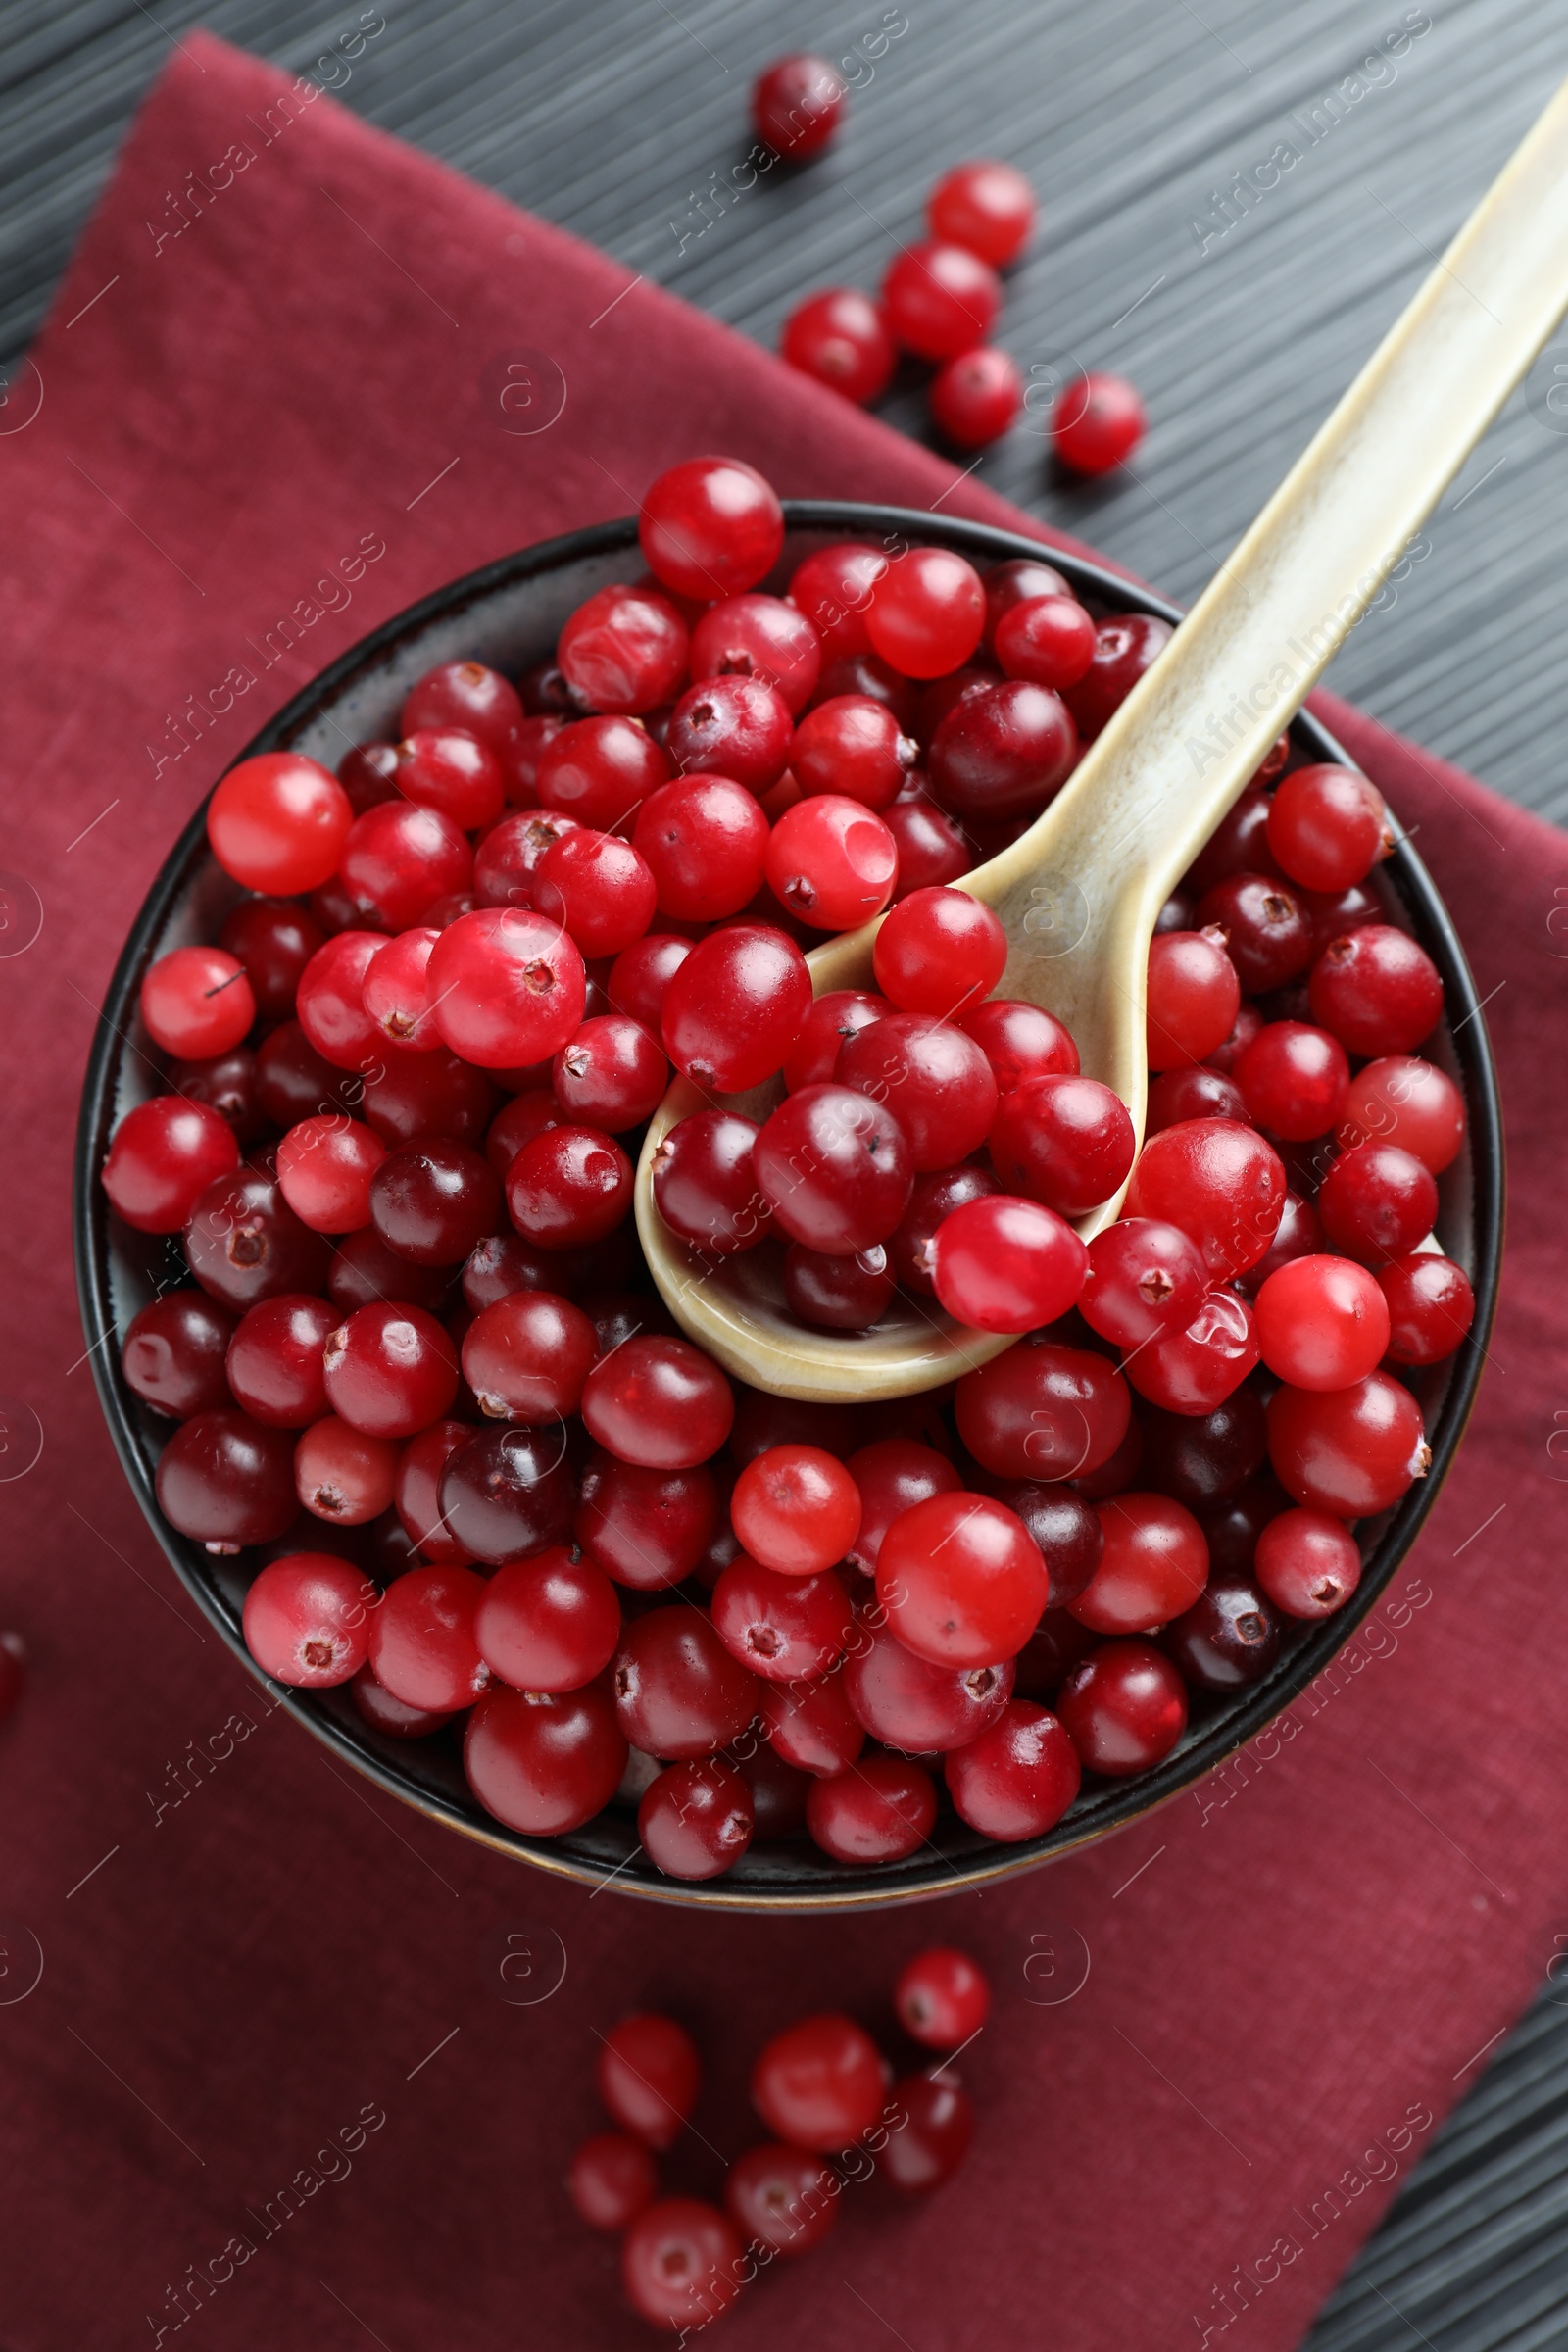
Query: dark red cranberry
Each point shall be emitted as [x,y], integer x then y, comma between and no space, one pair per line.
[1003,751]
[931,2125]
[1203,1458]
[243,1242]
[507,1493]
[1377,990]
[677,1690]
[174,1353]
[225,1480]
[1228,1640]
[1268,937]
[907,1702]
[365,1272]
[1195,1093]
[1042,1411]
[882,1810]
[696,1818]
[543,1764]
[275,939]
[1124,648]
[417,1095]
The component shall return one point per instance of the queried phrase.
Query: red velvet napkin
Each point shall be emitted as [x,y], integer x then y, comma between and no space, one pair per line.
[265,2078]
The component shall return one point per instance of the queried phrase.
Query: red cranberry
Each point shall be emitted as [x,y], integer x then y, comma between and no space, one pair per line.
[597,888]
[422,1643]
[506,1494]
[447,768]
[612,2180]
[1228,1640]
[390,1370]
[705,841]
[736,1007]
[681,2262]
[942,1997]
[433,1201]
[931,2125]
[882,1810]
[837,1294]
[1124,1708]
[781,2199]
[1018,1779]
[1096,424]
[1020,1040]
[1431,1307]
[277,822]
[167,1155]
[928,611]
[1219,1182]
[835,1168]
[1003,750]
[778,1790]
[641,973]
[832,863]
[1307,1563]
[1195,1370]
[1124,648]
[711,528]
[415,1492]
[940,299]
[466,695]
[796,1509]
[611,1075]
[819,2085]
[421,1094]
[811,1724]
[783,1628]
[939,951]
[1153,1566]
[173,1354]
[932,1200]
[759,637]
[1068,1142]
[274,1360]
[854,747]
[1402,1101]
[932,846]
[308,1620]
[678,1692]
[1352,1452]
[365,1272]
[659,1402]
[908,1702]
[543,1764]
[1193,1092]
[648,2074]
[975,397]
[1143,1278]
[1294,1079]
[696,1818]
[197,1001]
[386,1714]
[526,1357]
[1048,640]
[1377,1202]
[840,338]
[961,1580]
[275,939]
[366,774]
[705,1187]
[833,587]
[623,650]
[1004,1264]
[934,1080]
[1042,1411]
[400,859]
[1327,827]
[599,770]
[1377,990]
[243,1242]
[227,1480]
[1268,937]
[646,1528]
[892,1476]
[1193,998]
[507,987]
[1322,1322]
[988,207]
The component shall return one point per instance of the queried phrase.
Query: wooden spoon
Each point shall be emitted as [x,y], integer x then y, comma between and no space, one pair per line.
[1079,892]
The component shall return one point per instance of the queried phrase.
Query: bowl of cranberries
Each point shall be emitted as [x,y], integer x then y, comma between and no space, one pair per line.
[375,1335]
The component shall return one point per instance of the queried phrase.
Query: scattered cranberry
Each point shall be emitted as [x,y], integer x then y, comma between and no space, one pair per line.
[711,528]
[781,2197]
[681,2262]
[612,2180]
[988,207]
[940,299]
[1096,424]
[797,104]
[819,2085]
[840,338]
[976,396]
[931,2125]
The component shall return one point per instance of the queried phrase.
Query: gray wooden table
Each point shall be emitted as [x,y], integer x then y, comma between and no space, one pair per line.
[1235,200]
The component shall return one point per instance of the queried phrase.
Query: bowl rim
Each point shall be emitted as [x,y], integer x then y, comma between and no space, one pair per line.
[933,1874]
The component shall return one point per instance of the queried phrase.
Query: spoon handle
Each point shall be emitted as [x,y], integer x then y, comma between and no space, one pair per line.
[1080,891]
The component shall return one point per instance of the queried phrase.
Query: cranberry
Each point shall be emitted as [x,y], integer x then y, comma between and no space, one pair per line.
[506,1493]
[711,528]
[976,395]
[1020,1040]
[1352,1452]
[868,678]
[1124,648]
[1018,1779]
[275,939]
[854,746]
[681,2262]
[942,1997]
[704,1184]
[892,1476]
[1266,927]
[324,1171]
[526,1357]
[840,338]
[1000,1263]
[819,2085]
[778,1790]
[1248,1021]
[781,2199]
[623,650]
[929,2135]
[1341,910]
[275,1359]
[1042,1411]
[1327,827]
[522,1118]
[227,1480]
[1096,424]
[226,1083]
[1377,990]
[881,1810]
[1143,1278]
[277,822]
[908,1702]
[1294,1079]
[1046,640]
[834,587]
[466,695]
[1233,1526]
[506,864]
[293,1080]
[366,774]
[796,1509]
[1124,1708]
[811,1724]
[331,1002]
[400,859]
[1298,1234]
[1193,997]
[1322,1322]
[736,1007]
[386,1714]
[308,1620]
[1019,581]
[543,1764]
[932,846]
[1238,845]
[167,1155]
[1195,1370]
[507,987]
[365,1272]
[447,768]
[939,951]
[1201,1458]
[696,1818]
[428,1094]
[641,973]
[1307,1563]
[1405,1101]
[834,1167]
[395,993]
[568,1187]
[390,1370]
[599,770]
[1066,1531]
[940,299]
[1431,1307]
[612,2180]
[678,1692]
[705,842]
[1219,1181]
[243,1242]
[934,1079]
[928,611]
[659,1402]
[645,1528]
[611,1075]
[415,1492]
[837,1294]
[832,863]
[1377,1202]
[433,1201]
[174,1353]
[797,104]
[1003,750]
[759,637]
[1228,1640]
[785,1628]
[648,2074]
[1065,1141]
[597,888]
[1153,1566]
[961,1580]
[197,1001]
[987,207]
[422,1643]
[1196,1092]
[933,1199]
